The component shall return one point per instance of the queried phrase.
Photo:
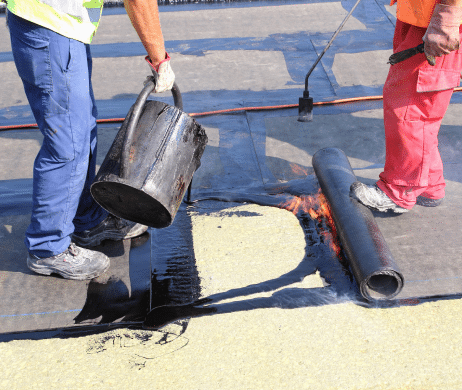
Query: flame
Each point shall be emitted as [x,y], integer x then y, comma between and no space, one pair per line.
[298,170]
[317,208]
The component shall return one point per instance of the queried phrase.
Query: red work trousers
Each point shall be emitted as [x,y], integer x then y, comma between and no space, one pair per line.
[415,99]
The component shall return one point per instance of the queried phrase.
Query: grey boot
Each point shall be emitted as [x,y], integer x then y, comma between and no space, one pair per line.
[74,263]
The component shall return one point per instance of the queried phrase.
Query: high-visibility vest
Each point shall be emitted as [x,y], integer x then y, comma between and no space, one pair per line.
[76,19]
[415,12]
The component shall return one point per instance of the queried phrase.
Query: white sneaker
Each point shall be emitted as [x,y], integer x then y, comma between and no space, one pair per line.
[374,198]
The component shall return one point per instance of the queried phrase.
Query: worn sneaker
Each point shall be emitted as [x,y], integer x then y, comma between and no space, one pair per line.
[428,202]
[74,263]
[112,228]
[373,197]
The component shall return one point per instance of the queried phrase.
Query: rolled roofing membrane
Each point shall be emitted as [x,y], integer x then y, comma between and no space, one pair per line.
[369,256]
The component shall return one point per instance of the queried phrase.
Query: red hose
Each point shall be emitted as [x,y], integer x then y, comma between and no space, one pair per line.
[230,110]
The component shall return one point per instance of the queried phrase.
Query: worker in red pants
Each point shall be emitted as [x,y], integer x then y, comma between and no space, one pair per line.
[416,96]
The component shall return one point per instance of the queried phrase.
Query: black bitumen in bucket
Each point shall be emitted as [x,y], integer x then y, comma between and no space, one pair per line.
[370,259]
[151,162]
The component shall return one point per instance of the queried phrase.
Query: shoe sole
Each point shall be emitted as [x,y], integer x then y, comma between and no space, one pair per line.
[427,202]
[45,270]
[98,239]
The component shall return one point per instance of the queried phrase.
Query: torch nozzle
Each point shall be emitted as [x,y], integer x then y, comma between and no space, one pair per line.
[305,107]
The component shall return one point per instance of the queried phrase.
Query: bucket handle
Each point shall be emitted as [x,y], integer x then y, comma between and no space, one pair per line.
[135,113]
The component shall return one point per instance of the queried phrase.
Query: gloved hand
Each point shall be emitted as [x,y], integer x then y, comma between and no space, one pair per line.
[166,77]
[442,35]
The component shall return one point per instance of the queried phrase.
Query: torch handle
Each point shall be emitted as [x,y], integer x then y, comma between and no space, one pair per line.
[405,54]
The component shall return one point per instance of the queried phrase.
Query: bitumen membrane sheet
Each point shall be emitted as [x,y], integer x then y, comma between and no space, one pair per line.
[248,286]
[416,239]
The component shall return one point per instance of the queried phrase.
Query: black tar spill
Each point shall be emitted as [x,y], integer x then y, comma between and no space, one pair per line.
[176,286]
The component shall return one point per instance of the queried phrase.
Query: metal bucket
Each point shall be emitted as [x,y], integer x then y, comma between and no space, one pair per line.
[151,162]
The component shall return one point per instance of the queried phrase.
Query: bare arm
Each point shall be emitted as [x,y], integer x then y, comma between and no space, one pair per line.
[457,3]
[144,15]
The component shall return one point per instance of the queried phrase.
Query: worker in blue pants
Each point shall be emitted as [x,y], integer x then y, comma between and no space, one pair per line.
[50,44]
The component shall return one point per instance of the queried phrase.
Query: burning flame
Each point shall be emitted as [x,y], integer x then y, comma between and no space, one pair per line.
[298,170]
[317,208]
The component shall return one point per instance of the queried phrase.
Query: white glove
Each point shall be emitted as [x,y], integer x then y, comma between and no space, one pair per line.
[442,35]
[166,77]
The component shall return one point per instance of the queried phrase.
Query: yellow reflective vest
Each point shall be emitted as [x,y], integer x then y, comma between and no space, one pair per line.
[76,19]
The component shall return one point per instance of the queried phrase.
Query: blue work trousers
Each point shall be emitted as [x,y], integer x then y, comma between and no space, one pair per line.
[56,73]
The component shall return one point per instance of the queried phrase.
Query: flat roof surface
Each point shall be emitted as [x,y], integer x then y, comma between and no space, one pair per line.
[283,311]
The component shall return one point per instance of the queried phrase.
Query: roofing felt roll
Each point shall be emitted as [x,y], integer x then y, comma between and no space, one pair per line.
[370,259]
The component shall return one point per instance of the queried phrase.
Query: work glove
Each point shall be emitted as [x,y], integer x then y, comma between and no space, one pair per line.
[164,72]
[442,35]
